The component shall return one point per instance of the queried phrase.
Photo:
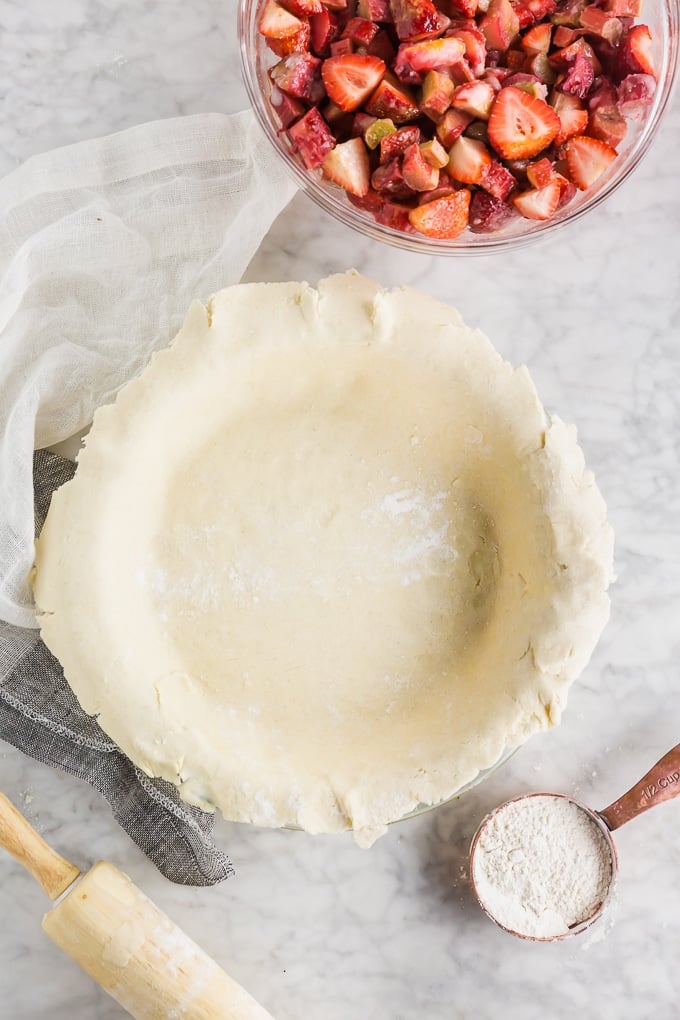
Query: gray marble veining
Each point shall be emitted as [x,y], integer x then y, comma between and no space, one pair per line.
[315,927]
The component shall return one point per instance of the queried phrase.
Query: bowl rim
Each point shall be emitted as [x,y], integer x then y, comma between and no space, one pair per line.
[483,244]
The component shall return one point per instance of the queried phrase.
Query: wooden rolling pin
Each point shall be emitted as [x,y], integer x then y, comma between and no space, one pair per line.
[122,940]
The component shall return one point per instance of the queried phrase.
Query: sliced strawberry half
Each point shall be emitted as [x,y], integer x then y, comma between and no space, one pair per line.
[572,114]
[539,203]
[588,158]
[276,22]
[443,218]
[520,125]
[468,160]
[348,165]
[635,52]
[350,79]
[537,39]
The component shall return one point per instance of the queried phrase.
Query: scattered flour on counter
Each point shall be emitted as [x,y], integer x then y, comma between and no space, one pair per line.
[541,866]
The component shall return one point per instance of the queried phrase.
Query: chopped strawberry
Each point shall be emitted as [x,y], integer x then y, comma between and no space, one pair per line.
[444,217]
[475,98]
[396,142]
[324,29]
[579,78]
[361,31]
[588,158]
[436,95]
[602,23]
[431,54]
[572,115]
[388,179]
[540,173]
[286,108]
[312,138]
[417,172]
[635,52]
[468,160]
[635,95]
[298,75]
[298,43]
[500,25]
[498,181]
[451,126]
[348,165]
[392,100]
[537,39]
[488,215]
[414,19]
[434,153]
[350,79]
[475,48]
[374,10]
[302,8]
[538,203]
[607,124]
[276,22]
[520,125]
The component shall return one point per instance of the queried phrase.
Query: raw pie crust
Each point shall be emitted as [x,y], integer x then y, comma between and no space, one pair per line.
[325,559]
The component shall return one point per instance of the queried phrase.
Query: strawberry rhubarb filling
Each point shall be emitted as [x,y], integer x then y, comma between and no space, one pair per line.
[439,115]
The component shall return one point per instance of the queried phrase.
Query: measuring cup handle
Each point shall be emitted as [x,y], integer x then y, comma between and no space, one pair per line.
[662,782]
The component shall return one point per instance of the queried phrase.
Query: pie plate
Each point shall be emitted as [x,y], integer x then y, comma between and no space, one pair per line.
[325,559]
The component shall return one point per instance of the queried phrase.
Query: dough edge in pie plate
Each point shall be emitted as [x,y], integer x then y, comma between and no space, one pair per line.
[325,559]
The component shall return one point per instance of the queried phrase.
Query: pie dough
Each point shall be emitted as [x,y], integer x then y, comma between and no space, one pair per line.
[325,559]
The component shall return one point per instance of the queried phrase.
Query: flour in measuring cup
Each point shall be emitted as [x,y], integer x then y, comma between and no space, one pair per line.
[541,866]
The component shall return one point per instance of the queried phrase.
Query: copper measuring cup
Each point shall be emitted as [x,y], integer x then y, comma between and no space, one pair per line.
[661,783]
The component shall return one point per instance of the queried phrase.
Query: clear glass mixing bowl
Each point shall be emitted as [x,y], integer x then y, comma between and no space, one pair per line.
[663,18]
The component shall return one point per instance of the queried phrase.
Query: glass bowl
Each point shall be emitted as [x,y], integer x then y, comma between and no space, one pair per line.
[663,19]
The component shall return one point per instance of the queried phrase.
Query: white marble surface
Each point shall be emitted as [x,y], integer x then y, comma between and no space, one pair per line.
[315,927]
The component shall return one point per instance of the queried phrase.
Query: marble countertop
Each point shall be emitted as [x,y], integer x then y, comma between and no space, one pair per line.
[315,927]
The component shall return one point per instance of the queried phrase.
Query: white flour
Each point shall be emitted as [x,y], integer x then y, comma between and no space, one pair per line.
[541,866]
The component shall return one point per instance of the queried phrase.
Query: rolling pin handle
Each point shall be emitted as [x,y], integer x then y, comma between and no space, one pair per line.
[52,871]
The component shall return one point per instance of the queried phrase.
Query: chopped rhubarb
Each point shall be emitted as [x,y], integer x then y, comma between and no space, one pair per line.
[312,138]
[475,98]
[607,124]
[498,181]
[302,8]
[452,125]
[500,25]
